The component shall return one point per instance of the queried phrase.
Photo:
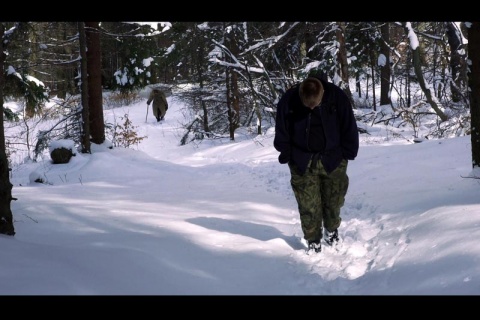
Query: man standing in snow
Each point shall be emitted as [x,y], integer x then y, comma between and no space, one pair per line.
[160,104]
[316,134]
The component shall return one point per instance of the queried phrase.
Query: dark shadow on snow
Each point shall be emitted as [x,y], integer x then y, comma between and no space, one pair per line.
[248,229]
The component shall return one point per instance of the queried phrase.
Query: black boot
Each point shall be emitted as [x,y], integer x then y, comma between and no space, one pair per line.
[315,245]
[331,237]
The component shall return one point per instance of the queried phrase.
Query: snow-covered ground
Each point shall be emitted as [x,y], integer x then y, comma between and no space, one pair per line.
[219,218]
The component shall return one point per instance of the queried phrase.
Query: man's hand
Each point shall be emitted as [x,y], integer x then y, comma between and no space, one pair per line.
[283,158]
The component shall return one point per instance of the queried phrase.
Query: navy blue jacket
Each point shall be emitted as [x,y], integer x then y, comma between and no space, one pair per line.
[339,124]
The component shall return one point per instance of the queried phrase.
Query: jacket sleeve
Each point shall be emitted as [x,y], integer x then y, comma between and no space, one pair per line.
[150,98]
[165,101]
[281,142]
[349,138]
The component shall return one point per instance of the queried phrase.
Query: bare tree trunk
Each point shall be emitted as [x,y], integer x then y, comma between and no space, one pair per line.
[84,89]
[230,110]
[94,69]
[358,87]
[255,103]
[385,71]
[205,123]
[474,85]
[6,216]
[233,100]
[343,62]
[456,60]
[198,56]
[408,66]
[373,65]
[418,71]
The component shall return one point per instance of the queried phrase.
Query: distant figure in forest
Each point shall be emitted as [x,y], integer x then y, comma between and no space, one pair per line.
[159,105]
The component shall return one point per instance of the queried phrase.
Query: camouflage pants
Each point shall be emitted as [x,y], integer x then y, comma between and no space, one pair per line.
[320,197]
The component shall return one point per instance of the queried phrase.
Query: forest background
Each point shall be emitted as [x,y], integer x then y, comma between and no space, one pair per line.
[231,75]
